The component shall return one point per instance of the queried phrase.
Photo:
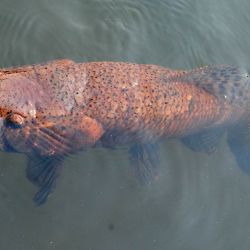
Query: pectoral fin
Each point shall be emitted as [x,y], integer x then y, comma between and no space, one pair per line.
[51,140]
[144,159]
[43,172]
[64,134]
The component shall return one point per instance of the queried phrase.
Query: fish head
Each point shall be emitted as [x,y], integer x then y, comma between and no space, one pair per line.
[25,111]
[33,121]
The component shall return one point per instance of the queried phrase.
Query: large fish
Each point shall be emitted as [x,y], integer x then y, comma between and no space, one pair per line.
[50,111]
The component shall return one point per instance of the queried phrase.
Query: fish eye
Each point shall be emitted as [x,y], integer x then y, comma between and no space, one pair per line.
[15,120]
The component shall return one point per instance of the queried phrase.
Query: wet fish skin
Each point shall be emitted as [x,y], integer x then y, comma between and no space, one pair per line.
[52,110]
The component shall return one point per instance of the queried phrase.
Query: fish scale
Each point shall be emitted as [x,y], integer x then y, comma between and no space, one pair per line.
[52,110]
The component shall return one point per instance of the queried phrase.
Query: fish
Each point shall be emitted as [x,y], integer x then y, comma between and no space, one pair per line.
[52,110]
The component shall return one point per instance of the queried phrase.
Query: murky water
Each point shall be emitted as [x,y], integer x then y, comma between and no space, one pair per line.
[199,202]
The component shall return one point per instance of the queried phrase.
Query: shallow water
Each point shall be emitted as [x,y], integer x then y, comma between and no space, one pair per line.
[199,202]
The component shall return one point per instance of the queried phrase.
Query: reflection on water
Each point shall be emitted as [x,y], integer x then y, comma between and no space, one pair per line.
[199,202]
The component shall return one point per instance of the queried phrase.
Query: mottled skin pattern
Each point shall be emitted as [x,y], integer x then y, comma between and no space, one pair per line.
[61,107]
[124,97]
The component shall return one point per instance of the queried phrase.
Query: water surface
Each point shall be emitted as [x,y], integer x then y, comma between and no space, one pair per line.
[199,202]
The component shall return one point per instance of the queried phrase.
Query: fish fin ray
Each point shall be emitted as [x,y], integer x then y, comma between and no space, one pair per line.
[144,159]
[63,135]
[206,141]
[43,172]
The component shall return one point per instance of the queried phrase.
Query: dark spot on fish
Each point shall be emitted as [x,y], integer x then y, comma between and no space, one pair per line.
[222,88]
[173,93]
[236,84]
[237,78]
[209,86]
[233,91]
[216,79]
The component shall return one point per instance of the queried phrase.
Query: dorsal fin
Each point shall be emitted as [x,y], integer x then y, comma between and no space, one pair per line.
[227,83]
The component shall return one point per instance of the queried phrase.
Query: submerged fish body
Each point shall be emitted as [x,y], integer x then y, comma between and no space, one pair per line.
[52,110]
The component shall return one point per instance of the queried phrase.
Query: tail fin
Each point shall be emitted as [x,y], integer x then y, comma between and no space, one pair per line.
[225,82]
[231,85]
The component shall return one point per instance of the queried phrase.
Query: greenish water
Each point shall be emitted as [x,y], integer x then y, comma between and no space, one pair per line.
[199,202]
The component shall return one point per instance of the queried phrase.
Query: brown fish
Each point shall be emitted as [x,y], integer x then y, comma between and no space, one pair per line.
[52,110]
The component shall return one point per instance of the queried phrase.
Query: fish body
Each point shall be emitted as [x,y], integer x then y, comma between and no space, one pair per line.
[52,110]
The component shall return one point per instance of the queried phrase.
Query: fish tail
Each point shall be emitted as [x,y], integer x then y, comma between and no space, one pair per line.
[227,83]
[231,85]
